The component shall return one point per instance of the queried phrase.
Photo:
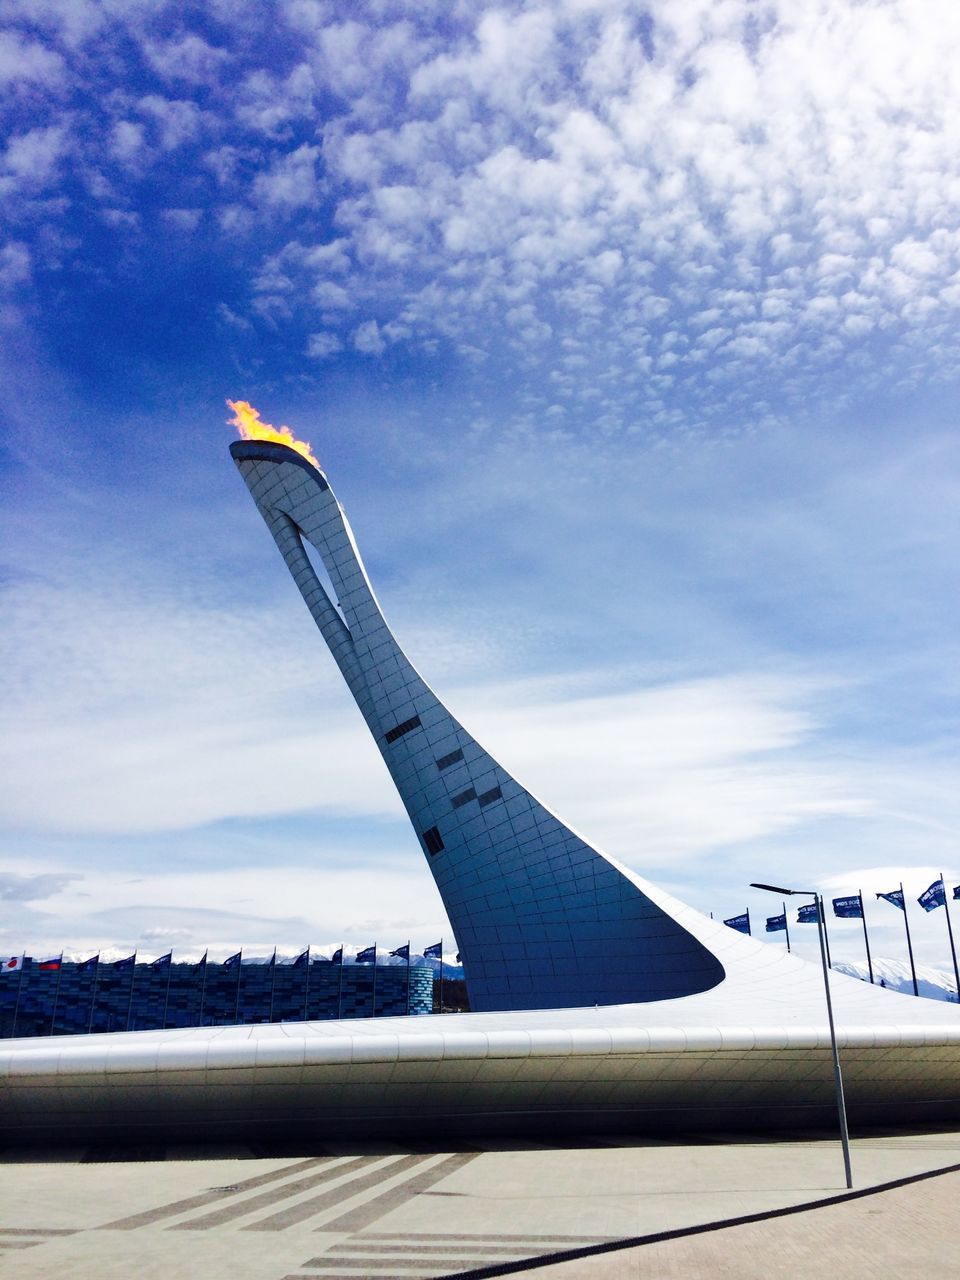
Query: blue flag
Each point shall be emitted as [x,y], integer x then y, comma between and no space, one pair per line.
[85,965]
[740,923]
[848,908]
[956,890]
[437,949]
[809,913]
[337,957]
[403,953]
[302,960]
[895,898]
[128,963]
[367,956]
[162,962]
[202,963]
[935,896]
[232,962]
[776,923]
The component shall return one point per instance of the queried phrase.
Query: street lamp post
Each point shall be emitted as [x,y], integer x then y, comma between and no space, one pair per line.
[837,1075]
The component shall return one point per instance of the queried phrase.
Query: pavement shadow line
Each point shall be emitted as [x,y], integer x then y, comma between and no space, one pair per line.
[679,1233]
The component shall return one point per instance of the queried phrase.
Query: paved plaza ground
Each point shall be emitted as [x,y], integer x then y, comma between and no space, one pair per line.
[485,1207]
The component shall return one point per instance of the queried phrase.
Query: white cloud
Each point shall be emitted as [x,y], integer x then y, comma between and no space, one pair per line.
[33,158]
[367,339]
[290,182]
[127,141]
[320,346]
[767,160]
[177,121]
[15,264]
[186,220]
[28,61]
[188,58]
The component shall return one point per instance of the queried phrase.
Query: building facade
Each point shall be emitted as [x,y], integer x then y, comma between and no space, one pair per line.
[78,998]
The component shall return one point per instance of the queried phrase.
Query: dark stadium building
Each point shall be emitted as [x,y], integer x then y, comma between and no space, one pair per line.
[81,997]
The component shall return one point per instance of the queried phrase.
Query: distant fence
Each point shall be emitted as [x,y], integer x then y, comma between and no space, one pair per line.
[75,998]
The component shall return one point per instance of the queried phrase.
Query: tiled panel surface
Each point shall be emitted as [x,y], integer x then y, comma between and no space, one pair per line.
[521,890]
[76,1000]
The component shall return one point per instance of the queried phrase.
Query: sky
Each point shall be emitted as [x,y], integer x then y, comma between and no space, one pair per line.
[628,337]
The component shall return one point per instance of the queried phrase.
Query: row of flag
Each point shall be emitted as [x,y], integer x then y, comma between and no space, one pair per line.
[847,908]
[368,955]
[850,907]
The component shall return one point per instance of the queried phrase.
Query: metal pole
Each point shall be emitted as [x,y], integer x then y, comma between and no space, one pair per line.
[953,950]
[203,985]
[906,925]
[340,987]
[273,981]
[408,977]
[166,995]
[866,940]
[16,1007]
[786,927]
[236,1003]
[822,915]
[441,976]
[306,988]
[373,1011]
[133,978]
[93,994]
[837,1075]
[56,996]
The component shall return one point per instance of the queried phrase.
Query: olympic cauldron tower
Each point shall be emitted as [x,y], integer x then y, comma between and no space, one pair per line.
[542,919]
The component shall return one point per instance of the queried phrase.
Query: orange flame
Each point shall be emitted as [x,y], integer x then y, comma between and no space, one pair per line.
[247,421]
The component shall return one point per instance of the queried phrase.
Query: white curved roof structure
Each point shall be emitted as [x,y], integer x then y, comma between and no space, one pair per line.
[665,1016]
[755,1051]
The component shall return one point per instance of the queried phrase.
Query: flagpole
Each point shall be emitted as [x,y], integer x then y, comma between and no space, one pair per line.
[837,1076]
[306,987]
[93,994]
[826,937]
[786,927]
[953,950]
[441,976]
[408,977]
[166,996]
[16,1007]
[133,978]
[866,940]
[373,1011]
[273,980]
[906,925]
[236,1003]
[340,987]
[203,985]
[56,995]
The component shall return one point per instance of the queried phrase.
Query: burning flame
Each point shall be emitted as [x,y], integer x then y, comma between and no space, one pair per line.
[247,421]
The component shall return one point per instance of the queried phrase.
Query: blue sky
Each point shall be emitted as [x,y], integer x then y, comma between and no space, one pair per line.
[629,341]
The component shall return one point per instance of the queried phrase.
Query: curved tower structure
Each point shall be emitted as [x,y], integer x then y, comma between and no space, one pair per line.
[542,918]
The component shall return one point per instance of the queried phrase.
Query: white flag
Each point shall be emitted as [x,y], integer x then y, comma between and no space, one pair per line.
[10,964]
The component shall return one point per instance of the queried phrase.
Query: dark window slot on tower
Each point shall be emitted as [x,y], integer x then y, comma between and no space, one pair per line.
[488,797]
[433,840]
[399,730]
[446,761]
[464,798]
